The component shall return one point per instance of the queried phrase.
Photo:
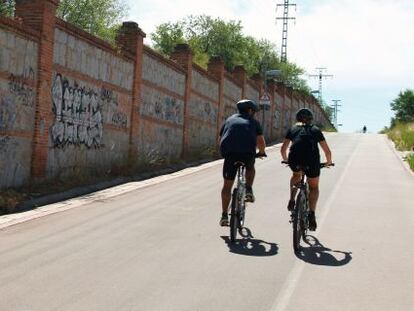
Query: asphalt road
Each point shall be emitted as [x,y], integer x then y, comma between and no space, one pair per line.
[159,247]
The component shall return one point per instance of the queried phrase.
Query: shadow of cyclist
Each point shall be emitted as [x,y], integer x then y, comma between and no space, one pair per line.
[249,246]
[318,254]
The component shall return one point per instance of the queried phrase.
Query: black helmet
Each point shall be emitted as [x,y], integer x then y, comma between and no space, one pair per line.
[304,115]
[245,104]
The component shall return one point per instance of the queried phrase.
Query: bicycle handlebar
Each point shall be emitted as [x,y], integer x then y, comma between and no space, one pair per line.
[322,165]
[261,155]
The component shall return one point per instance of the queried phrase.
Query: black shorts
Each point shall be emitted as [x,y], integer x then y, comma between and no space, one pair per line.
[230,170]
[311,170]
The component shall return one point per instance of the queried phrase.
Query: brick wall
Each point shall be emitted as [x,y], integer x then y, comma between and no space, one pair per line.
[70,101]
[18,80]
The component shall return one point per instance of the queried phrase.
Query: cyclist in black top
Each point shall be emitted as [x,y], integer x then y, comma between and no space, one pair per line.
[304,158]
[240,135]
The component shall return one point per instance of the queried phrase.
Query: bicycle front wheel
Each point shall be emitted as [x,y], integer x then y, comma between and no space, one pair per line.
[234,217]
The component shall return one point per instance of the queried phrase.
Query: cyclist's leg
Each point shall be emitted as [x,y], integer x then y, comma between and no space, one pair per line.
[249,160]
[313,180]
[313,192]
[229,173]
[250,174]
[294,180]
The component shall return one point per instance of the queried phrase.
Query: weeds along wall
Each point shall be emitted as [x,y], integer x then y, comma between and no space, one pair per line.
[72,102]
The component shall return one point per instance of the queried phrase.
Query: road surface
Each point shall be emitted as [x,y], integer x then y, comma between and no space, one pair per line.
[159,246]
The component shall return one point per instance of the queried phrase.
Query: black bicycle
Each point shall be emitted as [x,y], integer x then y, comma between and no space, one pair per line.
[238,200]
[300,213]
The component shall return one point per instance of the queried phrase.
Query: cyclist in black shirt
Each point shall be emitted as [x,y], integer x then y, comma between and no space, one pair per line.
[304,158]
[240,135]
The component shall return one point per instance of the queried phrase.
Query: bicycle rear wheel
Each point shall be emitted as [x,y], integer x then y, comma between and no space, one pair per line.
[234,217]
[298,221]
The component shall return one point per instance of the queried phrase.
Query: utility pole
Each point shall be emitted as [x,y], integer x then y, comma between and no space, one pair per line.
[336,110]
[285,18]
[320,76]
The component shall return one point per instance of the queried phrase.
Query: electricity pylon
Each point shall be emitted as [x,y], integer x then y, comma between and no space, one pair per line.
[285,18]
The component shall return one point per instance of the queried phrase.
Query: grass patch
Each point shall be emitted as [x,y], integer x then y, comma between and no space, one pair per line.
[402,135]
[410,160]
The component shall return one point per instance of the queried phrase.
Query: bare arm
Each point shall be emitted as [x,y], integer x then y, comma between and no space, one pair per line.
[283,150]
[261,144]
[327,151]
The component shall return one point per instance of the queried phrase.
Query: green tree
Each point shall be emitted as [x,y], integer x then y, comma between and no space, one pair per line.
[403,106]
[101,18]
[7,8]
[209,37]
[167,36]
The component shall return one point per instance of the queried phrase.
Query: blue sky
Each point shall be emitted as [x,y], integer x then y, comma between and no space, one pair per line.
[367,45]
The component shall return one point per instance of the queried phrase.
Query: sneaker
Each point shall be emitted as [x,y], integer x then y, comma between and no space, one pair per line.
[291,205]
[312,221]
[224,221]
[249,195]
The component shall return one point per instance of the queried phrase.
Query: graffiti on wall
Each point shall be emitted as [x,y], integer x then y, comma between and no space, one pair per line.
[7,112]
[19,93]
[204,110]
[20,87]
[78,115]
[4,141]
[119,119]
[80,112]
[276,120]
[162,106]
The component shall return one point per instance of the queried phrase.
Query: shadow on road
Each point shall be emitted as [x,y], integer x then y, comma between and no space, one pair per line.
[318,254]
[249,246]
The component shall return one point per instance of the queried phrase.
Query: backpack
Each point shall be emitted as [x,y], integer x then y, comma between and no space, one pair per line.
[304,146]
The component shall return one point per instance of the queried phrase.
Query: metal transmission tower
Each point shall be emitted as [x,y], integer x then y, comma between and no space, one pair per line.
[285,19]
[320,76]
[336,110]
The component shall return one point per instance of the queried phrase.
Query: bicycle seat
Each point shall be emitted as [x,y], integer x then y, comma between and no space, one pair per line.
[302,167]
[239,163]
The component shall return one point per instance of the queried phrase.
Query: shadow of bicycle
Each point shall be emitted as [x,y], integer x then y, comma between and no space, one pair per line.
[249,246]
[318,254]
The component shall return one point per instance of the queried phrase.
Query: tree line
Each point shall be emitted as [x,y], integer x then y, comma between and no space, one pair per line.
[207,36]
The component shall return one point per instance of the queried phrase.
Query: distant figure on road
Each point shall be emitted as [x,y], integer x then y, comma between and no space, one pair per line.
[240,135]
[304,158]
[364,129]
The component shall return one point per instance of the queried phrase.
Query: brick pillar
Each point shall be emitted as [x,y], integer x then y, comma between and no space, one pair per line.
[216,69]
[271,88]
[289,94]
[281,90]
[40,15]
[240,75]
[130,39]
[184,57]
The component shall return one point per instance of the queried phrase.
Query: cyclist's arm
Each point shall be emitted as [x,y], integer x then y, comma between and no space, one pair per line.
[327,151]
[261,144]
[283,150]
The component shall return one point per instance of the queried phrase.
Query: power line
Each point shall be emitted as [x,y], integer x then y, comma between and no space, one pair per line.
[320,76]
[285,19]
[336,110]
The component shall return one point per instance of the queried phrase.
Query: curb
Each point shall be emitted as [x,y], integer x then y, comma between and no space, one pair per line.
[404,163]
